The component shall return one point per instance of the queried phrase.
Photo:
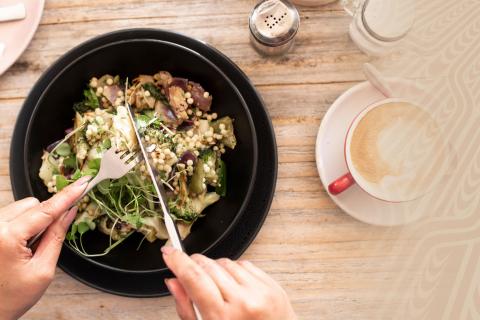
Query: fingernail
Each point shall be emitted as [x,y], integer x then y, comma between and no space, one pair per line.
[167,250]
[167,283]
[82,181]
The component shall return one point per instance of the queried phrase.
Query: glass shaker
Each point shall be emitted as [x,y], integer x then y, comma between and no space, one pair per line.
[273,25]
[379,25]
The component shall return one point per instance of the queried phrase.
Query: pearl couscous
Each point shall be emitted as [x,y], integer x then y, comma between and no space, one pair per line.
[185,142]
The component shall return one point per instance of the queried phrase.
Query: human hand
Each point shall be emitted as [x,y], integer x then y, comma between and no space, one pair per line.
[24,276]
[224,289]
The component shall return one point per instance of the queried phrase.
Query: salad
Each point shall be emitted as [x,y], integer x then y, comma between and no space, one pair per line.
[184,139]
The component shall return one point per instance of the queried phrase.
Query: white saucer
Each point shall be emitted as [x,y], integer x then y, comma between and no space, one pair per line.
[16,35]
[331,159]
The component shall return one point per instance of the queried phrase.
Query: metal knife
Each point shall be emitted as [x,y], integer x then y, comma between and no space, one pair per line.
[169,223]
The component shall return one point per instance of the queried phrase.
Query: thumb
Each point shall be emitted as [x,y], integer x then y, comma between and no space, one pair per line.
[50,246]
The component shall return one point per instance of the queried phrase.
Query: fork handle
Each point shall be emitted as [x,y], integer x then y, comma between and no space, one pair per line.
[91,184]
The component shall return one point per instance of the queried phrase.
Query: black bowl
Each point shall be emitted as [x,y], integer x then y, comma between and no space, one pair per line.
[52,113]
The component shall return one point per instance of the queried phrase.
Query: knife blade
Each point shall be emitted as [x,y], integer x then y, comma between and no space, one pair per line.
[169,223]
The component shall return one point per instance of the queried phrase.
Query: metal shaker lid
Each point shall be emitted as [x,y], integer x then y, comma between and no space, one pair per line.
[274,22]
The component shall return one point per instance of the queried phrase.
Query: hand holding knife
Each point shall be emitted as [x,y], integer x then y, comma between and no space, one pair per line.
[172,230]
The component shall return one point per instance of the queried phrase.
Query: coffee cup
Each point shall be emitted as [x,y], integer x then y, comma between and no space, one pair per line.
[394,150]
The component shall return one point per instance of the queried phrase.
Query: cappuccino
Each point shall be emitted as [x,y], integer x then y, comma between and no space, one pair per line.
[394,151]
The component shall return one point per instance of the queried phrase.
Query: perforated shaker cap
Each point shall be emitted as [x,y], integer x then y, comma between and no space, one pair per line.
[274,22]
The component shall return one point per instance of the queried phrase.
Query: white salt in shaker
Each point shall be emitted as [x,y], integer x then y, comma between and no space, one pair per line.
[273,25]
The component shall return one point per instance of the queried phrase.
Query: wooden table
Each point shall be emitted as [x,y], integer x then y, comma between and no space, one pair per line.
[329,263]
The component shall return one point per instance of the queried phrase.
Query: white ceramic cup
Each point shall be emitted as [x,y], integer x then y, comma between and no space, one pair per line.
[404,185]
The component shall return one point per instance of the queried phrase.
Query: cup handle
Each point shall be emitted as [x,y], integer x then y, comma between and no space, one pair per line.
[341,184]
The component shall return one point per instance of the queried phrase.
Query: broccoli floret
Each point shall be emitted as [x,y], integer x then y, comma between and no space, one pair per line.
[162,138]
[192,208]
[182,210]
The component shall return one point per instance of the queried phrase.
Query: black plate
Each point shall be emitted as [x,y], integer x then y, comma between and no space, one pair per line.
[129,58]
[248,224]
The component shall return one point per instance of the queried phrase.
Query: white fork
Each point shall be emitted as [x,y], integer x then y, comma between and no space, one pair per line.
[114,165]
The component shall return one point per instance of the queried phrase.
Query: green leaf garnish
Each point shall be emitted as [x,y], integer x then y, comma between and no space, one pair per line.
[155,92]
[71,235]
[106,144]
[77,174]
[149,113]
[134,220]
[61,182]
[104,186]
[63,149]
[141,121]
[70,162]
[91,99]
[83,227]
[90,102]
[89,172]
[94,164]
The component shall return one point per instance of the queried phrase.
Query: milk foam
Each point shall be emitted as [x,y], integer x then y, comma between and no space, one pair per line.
[394,150]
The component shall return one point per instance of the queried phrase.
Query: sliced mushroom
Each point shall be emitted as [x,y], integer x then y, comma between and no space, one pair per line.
[138,98]
[141,79]
[131,96]
[176,98]
[163,78]
[183,192]
[149,102]
[165,113]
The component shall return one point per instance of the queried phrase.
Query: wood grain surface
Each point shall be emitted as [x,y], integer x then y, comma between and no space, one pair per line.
[329,263]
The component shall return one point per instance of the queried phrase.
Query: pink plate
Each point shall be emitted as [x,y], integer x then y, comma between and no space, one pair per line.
[331,159]
[16,35]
